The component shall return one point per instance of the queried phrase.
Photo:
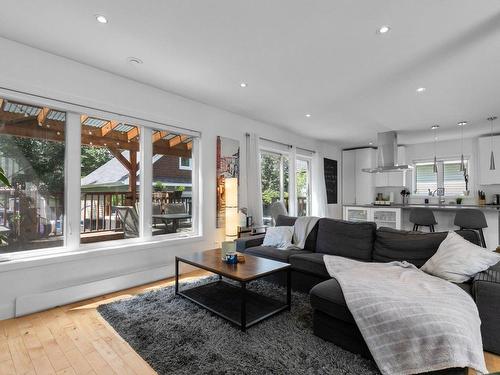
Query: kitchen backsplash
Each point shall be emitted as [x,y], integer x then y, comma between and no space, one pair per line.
[489,190]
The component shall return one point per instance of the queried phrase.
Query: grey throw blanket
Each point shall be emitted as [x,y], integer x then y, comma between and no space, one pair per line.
[301,229]
[412,322]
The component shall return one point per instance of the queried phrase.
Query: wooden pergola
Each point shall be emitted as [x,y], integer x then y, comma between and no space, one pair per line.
[21,120]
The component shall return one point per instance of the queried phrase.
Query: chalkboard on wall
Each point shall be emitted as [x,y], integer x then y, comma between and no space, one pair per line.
[330,167]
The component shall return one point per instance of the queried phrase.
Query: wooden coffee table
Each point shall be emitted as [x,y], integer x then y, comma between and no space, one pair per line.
[232,300]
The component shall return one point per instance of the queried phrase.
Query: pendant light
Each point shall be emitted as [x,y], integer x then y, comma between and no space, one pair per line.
[435,129]
[462,161]
[492,156]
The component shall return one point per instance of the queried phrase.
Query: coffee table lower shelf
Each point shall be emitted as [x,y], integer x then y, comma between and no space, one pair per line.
[236,304]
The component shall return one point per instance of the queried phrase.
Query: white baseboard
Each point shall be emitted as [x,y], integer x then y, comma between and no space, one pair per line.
[42,301]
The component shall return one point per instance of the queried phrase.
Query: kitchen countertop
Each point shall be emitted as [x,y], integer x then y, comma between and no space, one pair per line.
[434,206]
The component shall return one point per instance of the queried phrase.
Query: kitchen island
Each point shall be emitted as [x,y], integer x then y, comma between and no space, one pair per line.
[398,216]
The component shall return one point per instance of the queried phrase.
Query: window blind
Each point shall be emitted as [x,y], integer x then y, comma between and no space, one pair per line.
[425,178]
[454,183]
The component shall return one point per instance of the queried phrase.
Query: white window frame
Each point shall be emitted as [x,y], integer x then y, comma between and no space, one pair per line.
[184,167]
[440,174]
[292,155]
[73,179]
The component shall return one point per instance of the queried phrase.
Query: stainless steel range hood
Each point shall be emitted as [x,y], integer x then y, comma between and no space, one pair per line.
[387,154]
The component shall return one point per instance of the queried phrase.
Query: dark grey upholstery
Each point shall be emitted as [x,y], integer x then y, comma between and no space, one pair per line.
[251,241]
[345,238]
[328,298]
[309,263]
[273,253]
[414,247]
[470,218]
[486,290]
[422,216]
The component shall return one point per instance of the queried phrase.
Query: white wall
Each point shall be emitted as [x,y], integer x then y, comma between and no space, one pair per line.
[46,280]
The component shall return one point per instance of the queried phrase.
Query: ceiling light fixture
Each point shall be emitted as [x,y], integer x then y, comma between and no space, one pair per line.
[492,156]
[101,19]
[308,115]
[462,161]
[421,89]
[135,60]
[243,84]
[383,29]
[370,143]
[435,129]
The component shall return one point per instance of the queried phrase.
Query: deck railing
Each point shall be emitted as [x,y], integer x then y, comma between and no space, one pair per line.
[98,209]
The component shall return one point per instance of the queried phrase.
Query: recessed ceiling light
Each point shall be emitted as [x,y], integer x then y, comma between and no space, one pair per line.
[434,127]
[462,123]
[308,115]
[134,60]
[421,89]
[370,143]
[101,19]
[243,84]
[383,29]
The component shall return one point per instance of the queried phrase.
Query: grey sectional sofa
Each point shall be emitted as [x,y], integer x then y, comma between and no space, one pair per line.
[362,241]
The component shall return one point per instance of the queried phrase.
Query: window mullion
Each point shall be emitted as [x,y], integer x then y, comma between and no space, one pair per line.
[72,190]
[146,183]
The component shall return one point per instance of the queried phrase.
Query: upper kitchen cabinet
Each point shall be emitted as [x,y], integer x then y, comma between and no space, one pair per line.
[358,186]
[487,177]
[393,178]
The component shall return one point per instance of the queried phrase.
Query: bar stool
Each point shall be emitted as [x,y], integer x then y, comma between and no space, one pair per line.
[422,217]
[470,218]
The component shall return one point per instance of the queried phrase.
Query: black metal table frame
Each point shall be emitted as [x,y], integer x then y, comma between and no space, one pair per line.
[243,325]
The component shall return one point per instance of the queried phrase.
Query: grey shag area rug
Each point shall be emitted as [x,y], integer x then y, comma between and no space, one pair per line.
[175,336]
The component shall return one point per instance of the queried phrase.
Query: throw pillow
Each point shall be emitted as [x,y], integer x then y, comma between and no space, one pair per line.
[279,237]
[458,260]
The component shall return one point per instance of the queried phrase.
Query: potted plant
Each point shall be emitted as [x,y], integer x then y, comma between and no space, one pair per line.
[178,191]
[405,193]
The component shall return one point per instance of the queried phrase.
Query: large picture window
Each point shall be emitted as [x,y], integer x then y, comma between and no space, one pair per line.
[32,155]
[134,180]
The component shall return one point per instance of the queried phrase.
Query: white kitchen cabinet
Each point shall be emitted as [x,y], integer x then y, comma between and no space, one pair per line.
[357,214]
[357,186]
[487,177]
[382,216]
[386,217]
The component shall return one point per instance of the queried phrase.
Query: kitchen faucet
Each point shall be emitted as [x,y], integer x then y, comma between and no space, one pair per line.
[440,194]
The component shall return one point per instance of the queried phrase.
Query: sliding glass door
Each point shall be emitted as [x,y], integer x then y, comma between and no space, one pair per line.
[275,179]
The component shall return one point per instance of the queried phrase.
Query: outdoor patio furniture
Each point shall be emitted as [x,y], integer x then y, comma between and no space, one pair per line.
[173,214]
[130,220]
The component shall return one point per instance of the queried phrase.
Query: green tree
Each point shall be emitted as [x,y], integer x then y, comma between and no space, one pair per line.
[40,162]
[92,158]
[270,177]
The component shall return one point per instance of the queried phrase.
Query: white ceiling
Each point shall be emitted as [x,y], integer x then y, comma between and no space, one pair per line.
[322,57]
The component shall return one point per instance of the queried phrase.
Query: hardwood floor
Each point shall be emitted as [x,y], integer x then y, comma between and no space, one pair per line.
[74,340]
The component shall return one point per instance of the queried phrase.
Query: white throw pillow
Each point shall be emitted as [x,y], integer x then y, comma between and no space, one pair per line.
[458,260]
[280,237]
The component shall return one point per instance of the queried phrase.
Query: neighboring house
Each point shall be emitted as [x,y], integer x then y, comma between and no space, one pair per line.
[112,176]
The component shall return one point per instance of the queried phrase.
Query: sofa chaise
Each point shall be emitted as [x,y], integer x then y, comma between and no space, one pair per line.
[362,241]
